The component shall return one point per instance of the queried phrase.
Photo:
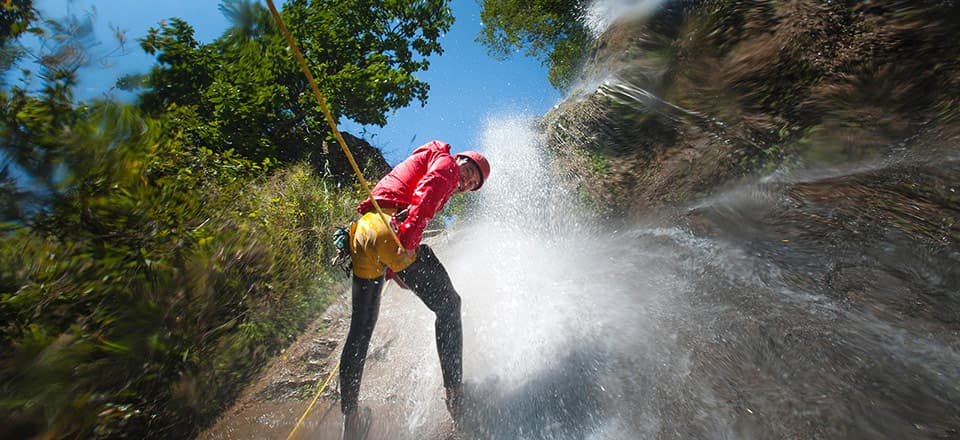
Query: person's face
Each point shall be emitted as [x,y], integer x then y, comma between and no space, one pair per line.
[469,175]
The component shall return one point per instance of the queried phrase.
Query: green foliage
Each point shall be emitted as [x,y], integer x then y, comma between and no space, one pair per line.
[370,46]
[552,31]
[248,92]
[30,126]
[155,289]
[152,262]
[184,68]
[15,16]
[58,50]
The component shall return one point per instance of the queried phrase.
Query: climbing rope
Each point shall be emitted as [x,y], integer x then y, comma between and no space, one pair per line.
[326,113]
[346,151]
[315,397]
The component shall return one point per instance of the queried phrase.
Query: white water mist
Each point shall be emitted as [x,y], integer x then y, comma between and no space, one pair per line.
[545,296]
[603,13]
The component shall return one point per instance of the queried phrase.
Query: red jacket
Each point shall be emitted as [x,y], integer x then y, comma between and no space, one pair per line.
[422,183]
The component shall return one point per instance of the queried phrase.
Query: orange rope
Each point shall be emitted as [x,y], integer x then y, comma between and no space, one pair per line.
[312,402]
[326,113]
[346,151]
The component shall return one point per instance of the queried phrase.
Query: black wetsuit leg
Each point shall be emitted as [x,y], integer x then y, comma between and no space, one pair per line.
[429,281]
[366,308]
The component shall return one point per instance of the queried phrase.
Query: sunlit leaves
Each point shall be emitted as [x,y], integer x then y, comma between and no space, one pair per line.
[552,31]
[373,48]
[15,16]
[249,20]
[248,91]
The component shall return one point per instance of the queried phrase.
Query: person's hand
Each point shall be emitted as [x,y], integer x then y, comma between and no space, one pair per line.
[396,219]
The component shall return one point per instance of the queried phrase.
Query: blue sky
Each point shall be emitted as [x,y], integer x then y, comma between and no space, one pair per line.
[466,85]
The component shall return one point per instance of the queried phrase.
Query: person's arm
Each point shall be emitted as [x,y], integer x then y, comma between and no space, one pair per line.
[431,193]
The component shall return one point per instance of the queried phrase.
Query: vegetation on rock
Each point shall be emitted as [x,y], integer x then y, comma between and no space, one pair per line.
[552,31]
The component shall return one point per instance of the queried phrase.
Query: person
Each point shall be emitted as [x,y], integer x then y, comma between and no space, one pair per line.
[409,196]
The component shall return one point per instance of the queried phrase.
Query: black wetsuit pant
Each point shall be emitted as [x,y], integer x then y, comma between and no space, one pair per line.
[429,281]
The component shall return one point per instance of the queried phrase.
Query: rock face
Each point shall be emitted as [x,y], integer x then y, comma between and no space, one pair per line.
[848,111]
[712,93]
[332,161]
[823,139]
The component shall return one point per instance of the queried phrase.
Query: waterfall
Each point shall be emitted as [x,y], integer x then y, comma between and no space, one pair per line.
[572,331]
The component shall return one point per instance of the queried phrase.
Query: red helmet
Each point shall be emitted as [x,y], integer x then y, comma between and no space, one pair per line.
[480,162]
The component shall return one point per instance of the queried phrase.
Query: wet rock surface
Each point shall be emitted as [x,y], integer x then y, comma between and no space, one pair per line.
[809,145]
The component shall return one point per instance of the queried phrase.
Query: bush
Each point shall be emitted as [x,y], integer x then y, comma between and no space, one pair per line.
[156,283]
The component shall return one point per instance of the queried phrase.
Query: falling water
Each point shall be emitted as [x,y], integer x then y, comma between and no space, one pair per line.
[603,13]
[654,332]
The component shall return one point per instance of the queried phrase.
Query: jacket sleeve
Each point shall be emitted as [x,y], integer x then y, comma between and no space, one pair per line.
[431,193]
